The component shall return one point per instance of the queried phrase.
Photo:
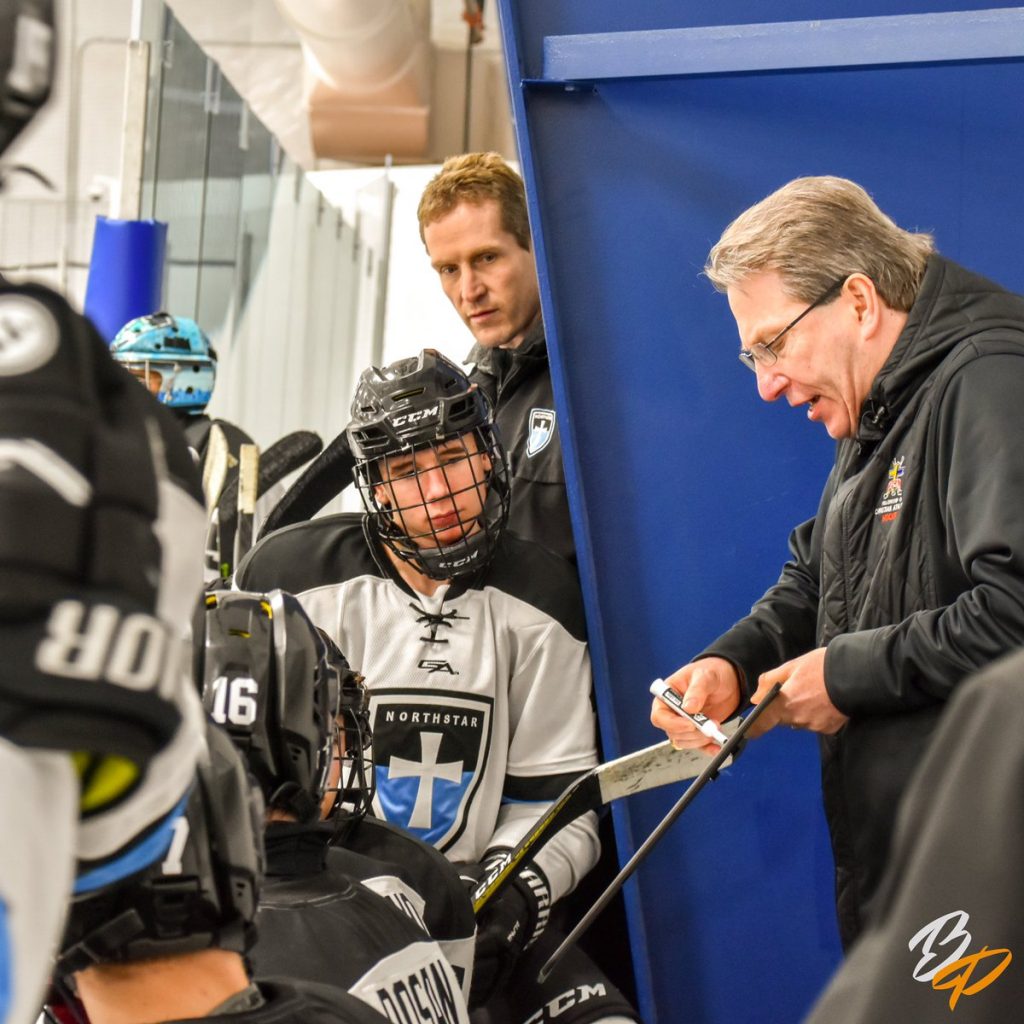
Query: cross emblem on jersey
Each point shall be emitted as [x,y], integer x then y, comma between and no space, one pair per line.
[427,771]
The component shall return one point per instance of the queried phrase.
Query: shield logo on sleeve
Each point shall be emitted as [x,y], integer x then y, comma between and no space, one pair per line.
[430,751]
[542,428]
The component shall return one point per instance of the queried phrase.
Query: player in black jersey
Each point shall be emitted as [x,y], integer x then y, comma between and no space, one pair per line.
[168,944]
[329,913]
[472,643]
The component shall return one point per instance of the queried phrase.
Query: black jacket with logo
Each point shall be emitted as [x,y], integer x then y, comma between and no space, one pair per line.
[912,571]
[518,382]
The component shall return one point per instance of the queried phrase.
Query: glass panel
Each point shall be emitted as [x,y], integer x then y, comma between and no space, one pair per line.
[180,161]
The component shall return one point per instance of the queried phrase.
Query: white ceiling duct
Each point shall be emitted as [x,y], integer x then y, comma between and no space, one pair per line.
[367,75]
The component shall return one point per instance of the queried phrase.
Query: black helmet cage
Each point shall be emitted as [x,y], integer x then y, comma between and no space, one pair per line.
[204,892]
[264,679]
[353,795]
[420,404]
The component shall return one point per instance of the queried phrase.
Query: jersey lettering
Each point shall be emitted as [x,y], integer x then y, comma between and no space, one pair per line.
[407,907]
[176,851]
[235,700]
[424,997]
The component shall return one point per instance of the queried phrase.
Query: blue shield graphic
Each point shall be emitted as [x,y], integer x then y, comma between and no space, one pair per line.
[542,428]
[429,749]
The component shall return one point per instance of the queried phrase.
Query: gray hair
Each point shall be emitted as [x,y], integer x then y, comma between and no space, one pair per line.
[815,231]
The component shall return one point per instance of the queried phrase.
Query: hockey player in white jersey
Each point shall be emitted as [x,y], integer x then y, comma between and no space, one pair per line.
[167,944]
[472,644]
[101,530]
[287,698]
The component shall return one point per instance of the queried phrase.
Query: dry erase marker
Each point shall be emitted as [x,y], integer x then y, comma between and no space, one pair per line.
[667,695]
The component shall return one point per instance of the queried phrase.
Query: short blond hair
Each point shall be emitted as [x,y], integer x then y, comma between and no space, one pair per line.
[815,231]
[475,178]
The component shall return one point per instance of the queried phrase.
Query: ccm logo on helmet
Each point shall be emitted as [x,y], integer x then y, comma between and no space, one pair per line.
[98,642]
[414,417]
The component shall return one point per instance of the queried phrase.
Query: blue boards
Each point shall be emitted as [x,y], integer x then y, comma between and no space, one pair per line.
[643,129]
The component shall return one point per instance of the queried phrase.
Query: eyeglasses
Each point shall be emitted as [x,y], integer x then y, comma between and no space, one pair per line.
[764,351]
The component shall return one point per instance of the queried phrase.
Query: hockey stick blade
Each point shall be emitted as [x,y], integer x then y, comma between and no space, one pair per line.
[709,773]
[285,456]
[633,773]
[319,483]
[248,482]
[216,464]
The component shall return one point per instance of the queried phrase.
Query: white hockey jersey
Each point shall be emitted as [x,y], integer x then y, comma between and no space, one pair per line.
[480,694]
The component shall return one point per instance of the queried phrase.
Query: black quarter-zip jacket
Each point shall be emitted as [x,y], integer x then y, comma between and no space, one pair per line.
[912,571]
[518,382]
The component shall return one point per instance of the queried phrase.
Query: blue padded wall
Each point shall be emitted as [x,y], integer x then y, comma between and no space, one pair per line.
[126,272]
[683,484]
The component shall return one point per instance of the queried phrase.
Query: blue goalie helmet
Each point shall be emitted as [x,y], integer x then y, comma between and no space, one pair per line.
[172,356]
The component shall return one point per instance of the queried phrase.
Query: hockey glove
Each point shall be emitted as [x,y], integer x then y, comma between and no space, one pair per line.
[507,926]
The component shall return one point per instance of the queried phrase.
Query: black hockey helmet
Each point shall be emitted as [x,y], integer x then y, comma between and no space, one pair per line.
[266,680]
[26,63]
[201,895]
[417,404]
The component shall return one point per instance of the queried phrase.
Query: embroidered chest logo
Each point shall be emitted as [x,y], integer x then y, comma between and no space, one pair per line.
[542,429]
[432,665]
[430,749]
[892,496]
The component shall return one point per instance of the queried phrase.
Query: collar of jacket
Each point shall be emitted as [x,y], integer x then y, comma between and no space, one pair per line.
[952,305]
[295,849]
[532,354]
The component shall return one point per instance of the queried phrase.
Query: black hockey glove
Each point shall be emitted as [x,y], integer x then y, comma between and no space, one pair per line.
[506,926]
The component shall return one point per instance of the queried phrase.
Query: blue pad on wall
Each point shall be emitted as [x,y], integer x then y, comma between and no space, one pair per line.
[126,272]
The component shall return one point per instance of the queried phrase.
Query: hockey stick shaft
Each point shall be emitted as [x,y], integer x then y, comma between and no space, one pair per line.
[709,773]
[283,457]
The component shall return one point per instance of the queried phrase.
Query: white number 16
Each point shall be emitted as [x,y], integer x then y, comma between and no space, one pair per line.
[234,700]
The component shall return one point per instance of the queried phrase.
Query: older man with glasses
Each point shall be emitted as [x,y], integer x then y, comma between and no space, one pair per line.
[911,575]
